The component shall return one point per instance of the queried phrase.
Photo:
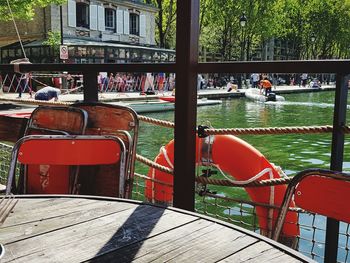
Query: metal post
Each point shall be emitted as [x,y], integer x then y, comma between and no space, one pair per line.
[340,105]
[90,86]
[187,33]
[61,24]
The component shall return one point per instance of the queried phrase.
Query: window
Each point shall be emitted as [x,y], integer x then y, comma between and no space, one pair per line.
[82,15]
[134,24]
[110,19]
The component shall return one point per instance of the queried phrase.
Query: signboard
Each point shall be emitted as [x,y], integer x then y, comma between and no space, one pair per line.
[63,52]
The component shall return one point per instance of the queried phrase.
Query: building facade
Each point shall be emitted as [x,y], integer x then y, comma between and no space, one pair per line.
[95,31]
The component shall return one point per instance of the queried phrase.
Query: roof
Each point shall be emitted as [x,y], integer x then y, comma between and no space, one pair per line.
[81,42]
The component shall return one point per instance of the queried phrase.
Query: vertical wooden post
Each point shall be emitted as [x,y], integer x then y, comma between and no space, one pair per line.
[187,33]
[90,86]
[339,121]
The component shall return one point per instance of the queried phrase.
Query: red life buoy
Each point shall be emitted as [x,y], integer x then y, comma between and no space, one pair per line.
[238,159]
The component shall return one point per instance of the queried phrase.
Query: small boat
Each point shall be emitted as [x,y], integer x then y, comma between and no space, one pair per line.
[161,105]
[254,94]
[168,98]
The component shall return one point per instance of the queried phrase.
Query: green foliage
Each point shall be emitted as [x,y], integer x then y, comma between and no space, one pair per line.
[294,21]
[165,22]
[23,9]
[53,40]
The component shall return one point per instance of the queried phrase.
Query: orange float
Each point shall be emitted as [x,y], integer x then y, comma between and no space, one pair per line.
[242,162]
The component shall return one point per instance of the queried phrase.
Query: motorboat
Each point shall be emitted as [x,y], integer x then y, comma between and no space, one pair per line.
[255,94]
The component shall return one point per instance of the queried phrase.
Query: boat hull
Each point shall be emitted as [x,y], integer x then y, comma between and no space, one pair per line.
[254,94]
[159,106]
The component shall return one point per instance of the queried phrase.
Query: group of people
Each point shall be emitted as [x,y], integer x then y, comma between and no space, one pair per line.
[121,82]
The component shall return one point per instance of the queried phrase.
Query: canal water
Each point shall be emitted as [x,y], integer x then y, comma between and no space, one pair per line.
[292,152]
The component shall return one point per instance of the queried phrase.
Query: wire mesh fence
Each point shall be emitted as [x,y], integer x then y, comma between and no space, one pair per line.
[237,209]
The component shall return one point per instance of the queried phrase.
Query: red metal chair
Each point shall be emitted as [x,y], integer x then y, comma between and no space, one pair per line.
[114,120]
[53,120]
[44,153]
[318,191]
[57,120]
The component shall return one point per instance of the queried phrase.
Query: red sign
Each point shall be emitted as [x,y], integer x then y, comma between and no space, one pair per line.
[63,52]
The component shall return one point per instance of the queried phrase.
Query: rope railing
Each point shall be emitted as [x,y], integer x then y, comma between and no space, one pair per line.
[154,165]
[166,124]
[37,102]
[252,131]
[221,182]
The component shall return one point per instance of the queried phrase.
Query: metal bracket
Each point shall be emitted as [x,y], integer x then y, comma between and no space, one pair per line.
[201,131]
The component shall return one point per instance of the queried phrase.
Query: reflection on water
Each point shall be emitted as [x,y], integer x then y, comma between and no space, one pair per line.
[293,152]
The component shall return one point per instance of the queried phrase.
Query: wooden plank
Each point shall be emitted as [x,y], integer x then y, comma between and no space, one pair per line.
[199,241]
[260,252]
[11,128]
[61,216]
[40,209]
[92,238]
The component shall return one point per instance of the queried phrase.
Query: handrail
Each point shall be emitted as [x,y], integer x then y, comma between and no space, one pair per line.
[186,70]
[285,66]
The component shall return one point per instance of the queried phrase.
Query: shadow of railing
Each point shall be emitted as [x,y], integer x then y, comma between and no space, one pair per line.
[129,237]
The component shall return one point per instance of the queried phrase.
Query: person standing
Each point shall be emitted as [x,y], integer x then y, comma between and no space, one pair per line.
[255,80]
[304,79]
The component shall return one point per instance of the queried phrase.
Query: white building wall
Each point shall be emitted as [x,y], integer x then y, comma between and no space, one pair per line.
[100,33]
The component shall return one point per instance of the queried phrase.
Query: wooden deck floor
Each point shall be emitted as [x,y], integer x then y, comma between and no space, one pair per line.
[77,229]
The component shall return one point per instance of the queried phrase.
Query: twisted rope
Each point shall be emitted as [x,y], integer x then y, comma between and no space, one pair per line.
[267,182]
[38,102]
[204,180]
[167,124]
[253,131]
[154,180]
[272,130]
[154,165]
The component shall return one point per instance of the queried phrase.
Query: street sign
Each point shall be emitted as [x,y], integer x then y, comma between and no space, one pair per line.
[63,52]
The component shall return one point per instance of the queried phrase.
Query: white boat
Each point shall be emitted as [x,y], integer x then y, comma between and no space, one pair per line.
[254,94]
[161,105]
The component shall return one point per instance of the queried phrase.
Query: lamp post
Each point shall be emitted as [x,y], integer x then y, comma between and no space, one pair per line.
[313,39]
[242,21]
[61,25]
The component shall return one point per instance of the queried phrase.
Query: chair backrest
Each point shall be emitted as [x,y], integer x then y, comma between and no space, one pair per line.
[57,120]
[319,191]
[48,152]
[115,120]
[52,120]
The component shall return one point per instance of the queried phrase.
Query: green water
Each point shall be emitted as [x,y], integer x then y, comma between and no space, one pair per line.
[293,152]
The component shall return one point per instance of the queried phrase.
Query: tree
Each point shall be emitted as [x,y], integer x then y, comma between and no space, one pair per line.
[53,40]
[222,33]
[23,9]
[165,22]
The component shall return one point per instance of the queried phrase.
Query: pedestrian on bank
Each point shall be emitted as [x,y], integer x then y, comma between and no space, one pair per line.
[255,79]
[48,93]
